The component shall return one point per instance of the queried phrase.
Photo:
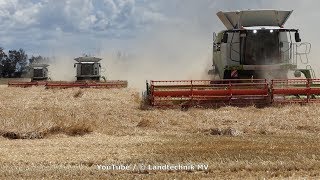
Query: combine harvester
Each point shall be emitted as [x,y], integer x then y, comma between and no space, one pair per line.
[256,61]
[38,74]
[88,76]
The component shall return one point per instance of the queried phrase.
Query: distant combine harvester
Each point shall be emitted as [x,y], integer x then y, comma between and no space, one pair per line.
[88,75]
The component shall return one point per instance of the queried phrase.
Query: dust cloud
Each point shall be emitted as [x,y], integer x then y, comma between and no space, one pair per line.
[179,49]
[170,53]
[61,68]
[163,55]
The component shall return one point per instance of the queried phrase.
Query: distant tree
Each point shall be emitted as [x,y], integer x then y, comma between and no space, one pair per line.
[22,61]
[38,59]
[2,54]
[3,57]
[15,63]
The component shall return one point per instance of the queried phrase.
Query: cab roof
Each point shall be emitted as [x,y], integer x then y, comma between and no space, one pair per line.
[250,18]
[87,59]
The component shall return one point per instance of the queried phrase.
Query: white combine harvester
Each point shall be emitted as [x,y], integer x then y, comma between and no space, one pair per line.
[38,73]
[253,59]
[88,75]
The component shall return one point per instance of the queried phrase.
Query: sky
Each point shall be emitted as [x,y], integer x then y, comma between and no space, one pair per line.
[152,33]
[45,26]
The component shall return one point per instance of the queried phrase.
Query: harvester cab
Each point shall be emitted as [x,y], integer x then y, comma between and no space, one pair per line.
[39,72]
[88,68]
[256,45]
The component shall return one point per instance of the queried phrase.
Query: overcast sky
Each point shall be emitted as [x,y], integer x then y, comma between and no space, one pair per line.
[166,29]
[171,36]
[44,26]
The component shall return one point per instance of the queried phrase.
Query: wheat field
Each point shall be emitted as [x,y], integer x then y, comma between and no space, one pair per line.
[70,133]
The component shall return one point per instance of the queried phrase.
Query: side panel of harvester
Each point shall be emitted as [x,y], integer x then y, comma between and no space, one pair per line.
[226,54]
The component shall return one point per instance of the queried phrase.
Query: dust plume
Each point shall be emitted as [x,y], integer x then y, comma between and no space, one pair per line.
[162,54]
[61,68]
[173,49]
[178,47]
[165,54]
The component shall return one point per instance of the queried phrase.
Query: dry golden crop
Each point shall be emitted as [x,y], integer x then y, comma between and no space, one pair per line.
[67,133]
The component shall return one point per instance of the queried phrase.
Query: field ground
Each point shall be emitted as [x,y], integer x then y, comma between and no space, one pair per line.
[70,133]
[4,81]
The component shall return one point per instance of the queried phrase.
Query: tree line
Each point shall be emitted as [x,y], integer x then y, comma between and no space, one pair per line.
[15,63]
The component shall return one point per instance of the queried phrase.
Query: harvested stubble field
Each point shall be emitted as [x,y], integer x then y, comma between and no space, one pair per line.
[68,133]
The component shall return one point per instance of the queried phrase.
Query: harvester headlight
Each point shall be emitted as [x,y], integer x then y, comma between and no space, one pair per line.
[271,31]
[255,31]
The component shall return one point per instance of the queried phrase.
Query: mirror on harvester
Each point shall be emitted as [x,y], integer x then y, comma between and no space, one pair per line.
[225,37]
[297,37]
